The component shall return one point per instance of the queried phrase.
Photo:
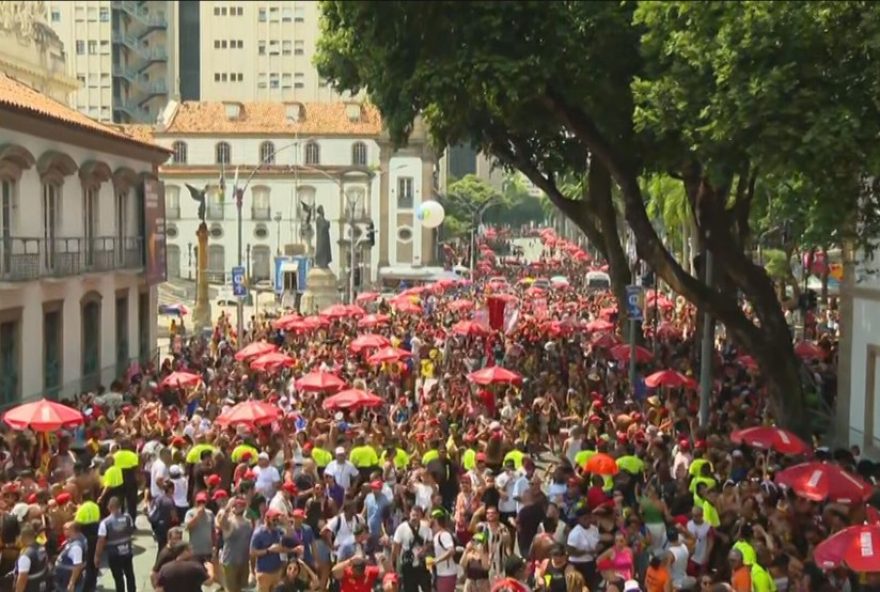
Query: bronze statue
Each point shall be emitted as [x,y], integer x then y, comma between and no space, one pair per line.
[199,196]
[323,255]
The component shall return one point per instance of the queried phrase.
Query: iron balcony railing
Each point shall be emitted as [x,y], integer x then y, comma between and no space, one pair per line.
[143,19]
[24,259]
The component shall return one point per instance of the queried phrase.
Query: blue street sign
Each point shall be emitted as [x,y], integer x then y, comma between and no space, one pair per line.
[239,288]
[634,302]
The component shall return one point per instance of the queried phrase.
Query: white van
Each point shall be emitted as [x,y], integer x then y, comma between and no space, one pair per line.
[598,280]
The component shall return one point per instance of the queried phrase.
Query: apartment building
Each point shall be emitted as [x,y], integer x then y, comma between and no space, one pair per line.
[122,53]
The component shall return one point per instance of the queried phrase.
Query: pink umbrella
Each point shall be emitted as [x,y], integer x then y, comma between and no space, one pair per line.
[818,481]
[255,349]
[858,547]
[317,322]
[352,399]
[605,341]
[283,321]
[494,375]
[622,354]
[414,291]
[354,311]
[320,382]
[373,320]
[671,379]
[388,354]
[337,311]
[470,328]
[404,306]
[369,341]
[599,325]
[181,379]
[43,416]
[770,437]
[367,297]
[460,305]
[249,413]
[272,361]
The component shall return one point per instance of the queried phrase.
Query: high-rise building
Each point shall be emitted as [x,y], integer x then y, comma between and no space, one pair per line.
[123,53]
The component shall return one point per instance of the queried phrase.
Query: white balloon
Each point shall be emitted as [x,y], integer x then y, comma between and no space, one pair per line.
[431,214]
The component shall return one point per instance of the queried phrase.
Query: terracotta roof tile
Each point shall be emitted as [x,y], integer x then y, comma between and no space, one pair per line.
[21,97]
[194,117]
[139,131]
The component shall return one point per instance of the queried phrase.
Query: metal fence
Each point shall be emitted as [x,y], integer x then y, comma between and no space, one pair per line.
[23,259]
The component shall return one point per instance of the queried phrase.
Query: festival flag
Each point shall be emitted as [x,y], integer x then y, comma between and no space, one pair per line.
[496,312]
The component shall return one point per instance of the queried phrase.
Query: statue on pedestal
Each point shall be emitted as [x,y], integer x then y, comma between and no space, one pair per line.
[202,312]
[323,254]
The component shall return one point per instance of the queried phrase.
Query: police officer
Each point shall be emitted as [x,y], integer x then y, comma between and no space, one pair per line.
[71,560]
[128,461]
[32,568]
[87,518]
[114,535]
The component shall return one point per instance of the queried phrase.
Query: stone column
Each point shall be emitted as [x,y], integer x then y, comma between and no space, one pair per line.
[202,313]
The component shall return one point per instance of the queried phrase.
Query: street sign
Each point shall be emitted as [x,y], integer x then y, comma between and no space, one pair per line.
[634,302]
[239,288]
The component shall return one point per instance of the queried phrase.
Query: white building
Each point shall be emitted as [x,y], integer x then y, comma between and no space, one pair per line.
[75,307]
[286,155]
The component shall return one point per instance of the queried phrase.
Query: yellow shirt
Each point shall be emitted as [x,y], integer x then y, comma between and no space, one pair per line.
[516,456]
[239,451]
[711,515]
[112,477]
[697,466]
[363,457]
[581,458]
[125,459]
[750,557]
[469,459]
[195,453]
[761,580]
[429,456]
[427,369]
[631,464]
[401,459]
[87,513]
[321,457]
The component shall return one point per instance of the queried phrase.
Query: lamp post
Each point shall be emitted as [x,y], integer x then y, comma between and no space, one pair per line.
[278,233]
[477,221]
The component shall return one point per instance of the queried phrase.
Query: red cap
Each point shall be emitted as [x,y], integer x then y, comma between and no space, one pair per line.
[574,481]
[201,497]
[213,480]
[481,457]
[621,437]
[390,578]
[273,513]
[595,419]
[62,498]
[178,441]
[684,445]
[598,404]
[289,487]
[376,484]
[220,494]
[299,513]
[700,445]
[246,455]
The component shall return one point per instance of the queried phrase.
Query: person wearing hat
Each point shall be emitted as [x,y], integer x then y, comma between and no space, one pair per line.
[31,573]
[475,563]
[409,551]
[199,523]
[354,575]
[71,560]
[266,548]
[161,513]
[302,535]
[342,470]
[181,486]
[114,536]
[363,457]
[237,531]
[284,498]
[268,477]
[376,507]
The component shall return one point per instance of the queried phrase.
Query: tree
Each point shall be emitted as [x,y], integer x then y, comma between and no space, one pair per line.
[721,96]
[465,199]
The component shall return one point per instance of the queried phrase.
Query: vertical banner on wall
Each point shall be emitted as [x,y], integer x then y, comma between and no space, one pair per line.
[154,231]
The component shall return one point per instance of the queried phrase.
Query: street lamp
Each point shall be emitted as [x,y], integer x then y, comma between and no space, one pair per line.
[278,233]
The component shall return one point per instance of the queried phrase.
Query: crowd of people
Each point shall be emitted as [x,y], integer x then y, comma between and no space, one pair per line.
[545,470]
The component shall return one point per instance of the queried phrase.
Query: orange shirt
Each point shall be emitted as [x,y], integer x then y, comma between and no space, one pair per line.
[656,580]
[741,580]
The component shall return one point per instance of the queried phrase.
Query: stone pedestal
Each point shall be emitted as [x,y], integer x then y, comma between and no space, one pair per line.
[202,312]
[321,292]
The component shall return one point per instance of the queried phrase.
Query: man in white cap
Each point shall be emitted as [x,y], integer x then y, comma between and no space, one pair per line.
[268,477]
[343,471]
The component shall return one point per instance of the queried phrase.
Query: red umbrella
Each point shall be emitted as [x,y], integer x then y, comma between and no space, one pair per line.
[599,325]
[389,354]
[601,464]
[367,296]
[671,379]
[667,330]
[181,379]
[373,320]
[369,341]
[355,311]
[461,305]
[622,354]
[316,322]
[809,350]
[606,341]
[352,399]
[272,361]
[819,482]
[414,291]
[770,437]
[320,382]
[43,416]
[856,546]
[405,306]
[494,375]
[284,321]
[249,413]
[255,349]
[336,311]
[607,313]
[470,328]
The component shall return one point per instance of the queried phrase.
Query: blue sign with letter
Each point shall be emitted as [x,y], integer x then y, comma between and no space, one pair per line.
[634,302]
[239,288]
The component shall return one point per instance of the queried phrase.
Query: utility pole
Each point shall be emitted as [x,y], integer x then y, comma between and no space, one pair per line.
[707,350]
[239,307]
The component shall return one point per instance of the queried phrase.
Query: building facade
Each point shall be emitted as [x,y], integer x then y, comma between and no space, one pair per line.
[291,158]
[31,52]
[122,53]
[75,308]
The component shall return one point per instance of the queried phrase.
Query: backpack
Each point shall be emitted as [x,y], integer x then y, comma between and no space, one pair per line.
[459,550]
[357,520]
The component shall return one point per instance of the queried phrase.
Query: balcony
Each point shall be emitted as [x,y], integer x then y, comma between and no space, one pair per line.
[26,259]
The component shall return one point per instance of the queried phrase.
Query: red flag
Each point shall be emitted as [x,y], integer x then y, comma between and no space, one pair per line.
[496,312]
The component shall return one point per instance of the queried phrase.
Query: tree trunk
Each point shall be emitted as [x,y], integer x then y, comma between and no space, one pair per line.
[826,271]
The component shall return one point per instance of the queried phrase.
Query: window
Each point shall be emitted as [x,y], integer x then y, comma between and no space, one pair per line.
[404,193]
[260,208]
[286,47]
[261,263]
[216,264]
[299,14]
[299,47]
[104,15]
[172,202]
[223,11]
[93,14]
[80,47]
[285,80]
[273,47]
[223,77]
[404,234]
[121,225]
[273,13]
[172,258]
[267,153]
[299,85]
[216,44]
[359,154]
[90,222]
[239,11]
[81,79]
[262,15]
[223,44]
[222,153]
[216,76]
[261,47]
[240,42]
[216,11]
[240,77]
[214,204]
[179,156]
[52,347]
[56,16]
[7,206]
[93,47]
[51,217]
[286,15]
[105,48]
[313,153]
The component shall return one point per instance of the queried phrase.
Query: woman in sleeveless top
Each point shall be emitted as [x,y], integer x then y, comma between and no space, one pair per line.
[475,565]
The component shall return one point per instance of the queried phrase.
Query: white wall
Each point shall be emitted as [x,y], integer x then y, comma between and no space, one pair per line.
[865,332]
[289,150]
[405,166]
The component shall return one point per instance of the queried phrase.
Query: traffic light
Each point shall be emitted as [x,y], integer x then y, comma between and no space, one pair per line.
[371,233]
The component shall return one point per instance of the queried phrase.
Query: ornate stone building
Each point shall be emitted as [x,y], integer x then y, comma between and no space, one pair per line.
[31,52]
